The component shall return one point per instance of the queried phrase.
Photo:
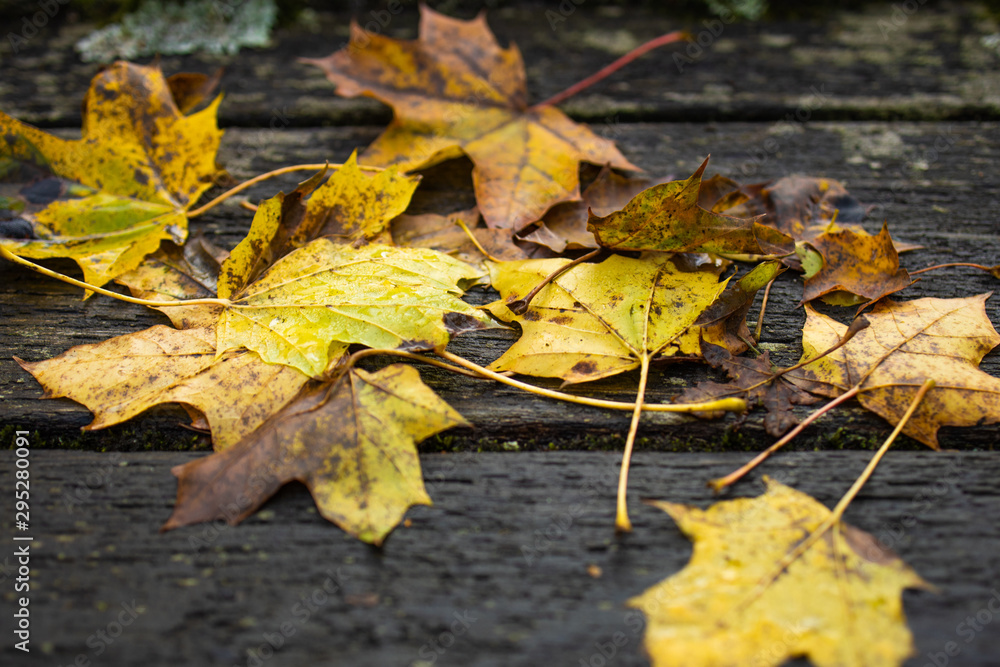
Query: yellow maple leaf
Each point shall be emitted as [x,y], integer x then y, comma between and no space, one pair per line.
[138,166]
[121,377]
[455,90]
[839,604]
[906,343]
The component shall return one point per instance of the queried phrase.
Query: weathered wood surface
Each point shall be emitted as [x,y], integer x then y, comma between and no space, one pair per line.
[207,597]
[508,543]
[944,199]
[879,62]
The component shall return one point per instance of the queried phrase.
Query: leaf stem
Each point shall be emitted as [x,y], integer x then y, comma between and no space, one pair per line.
[373,352]
[763,309]
[838,512]
[6,254]
[475,241]
[520,306]
[622,523]
[263,177]
[733,477]
[727,404]
[987,269]
[639,51]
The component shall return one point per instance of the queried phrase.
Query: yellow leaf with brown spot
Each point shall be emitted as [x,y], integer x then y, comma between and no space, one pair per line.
[121,377]
[352,206]
[108,199]
[906,343]
[839,604]
[597,320]
[668,218]
[455,90]
[352,442]
[857,263]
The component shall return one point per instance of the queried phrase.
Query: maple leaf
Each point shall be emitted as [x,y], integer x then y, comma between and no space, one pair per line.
[351,207]
[352,442]
[175,273]
[315,301]
[109,198]
[906,343]
[455,90]
[598,320]
[863,266]
[839,604]
[754,379]
[667,217]
[121,377]
[565,225]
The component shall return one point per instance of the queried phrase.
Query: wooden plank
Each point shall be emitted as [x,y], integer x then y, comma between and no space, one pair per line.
[945,200]
[507,544]
[876,63]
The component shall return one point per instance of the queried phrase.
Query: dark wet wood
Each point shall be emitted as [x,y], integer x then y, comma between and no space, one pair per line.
[507,546]
[512,535]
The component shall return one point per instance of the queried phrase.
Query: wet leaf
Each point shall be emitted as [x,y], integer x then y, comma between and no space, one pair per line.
[864,266]
[121,377]
[314,302]
[597,320]
[839,604]
[906,343]
[351,442]
[667,217]
[108,199]
[455,90]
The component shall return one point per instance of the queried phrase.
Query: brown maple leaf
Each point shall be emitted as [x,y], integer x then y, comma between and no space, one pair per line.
[755,380]
[455,90]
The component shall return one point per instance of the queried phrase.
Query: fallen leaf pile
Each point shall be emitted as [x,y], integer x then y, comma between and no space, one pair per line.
[266,347]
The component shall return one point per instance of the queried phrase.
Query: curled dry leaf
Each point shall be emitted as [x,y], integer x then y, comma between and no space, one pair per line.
[906,343]
[668,218]
[753,379]
[839,604]
[455,90]
[107,199]
[121,377]
[856,268]
[352,442]
[598,320]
